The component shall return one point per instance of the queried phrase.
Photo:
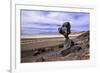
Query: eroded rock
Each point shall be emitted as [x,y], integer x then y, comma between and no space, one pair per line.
[69,45]
[41,59]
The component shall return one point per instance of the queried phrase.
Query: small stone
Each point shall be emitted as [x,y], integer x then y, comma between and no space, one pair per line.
[75,48]
[41,59]
[65,52]
[61,46]
[36,53]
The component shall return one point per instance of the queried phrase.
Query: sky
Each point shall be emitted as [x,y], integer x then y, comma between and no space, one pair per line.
[48,22]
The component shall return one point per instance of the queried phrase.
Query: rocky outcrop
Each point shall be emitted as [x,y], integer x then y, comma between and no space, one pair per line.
[69,45]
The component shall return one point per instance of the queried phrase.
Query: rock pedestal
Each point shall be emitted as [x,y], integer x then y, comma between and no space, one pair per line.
[69,45]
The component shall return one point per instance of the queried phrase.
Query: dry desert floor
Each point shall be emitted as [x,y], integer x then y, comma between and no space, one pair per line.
[39,49]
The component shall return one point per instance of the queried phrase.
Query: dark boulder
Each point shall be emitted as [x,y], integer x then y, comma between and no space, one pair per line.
[41,59]
[72,49]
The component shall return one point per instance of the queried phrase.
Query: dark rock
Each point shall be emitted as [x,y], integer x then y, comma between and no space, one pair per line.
[61,45]
[41,59]
[38,51]
[65,28]
[87,45]
[41,50]
[75,48]
[72,43]
[67,51]
[69,45]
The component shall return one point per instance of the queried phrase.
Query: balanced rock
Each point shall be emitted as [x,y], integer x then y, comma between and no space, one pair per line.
[69,45]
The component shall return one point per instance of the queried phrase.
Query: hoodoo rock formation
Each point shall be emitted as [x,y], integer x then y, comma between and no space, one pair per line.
[68,45]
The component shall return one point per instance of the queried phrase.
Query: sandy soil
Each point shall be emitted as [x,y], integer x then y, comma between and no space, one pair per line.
[46,49]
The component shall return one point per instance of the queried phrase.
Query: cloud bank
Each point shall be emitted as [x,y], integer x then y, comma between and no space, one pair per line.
[48,22]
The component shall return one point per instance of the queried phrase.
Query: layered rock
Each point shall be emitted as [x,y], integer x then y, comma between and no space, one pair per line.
[68,45]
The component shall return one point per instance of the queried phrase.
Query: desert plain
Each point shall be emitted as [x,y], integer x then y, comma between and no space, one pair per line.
[45,48]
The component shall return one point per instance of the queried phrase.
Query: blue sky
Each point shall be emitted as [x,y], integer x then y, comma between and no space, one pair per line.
[48,22]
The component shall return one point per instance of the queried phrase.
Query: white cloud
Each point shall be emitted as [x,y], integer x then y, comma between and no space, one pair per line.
[36,19]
